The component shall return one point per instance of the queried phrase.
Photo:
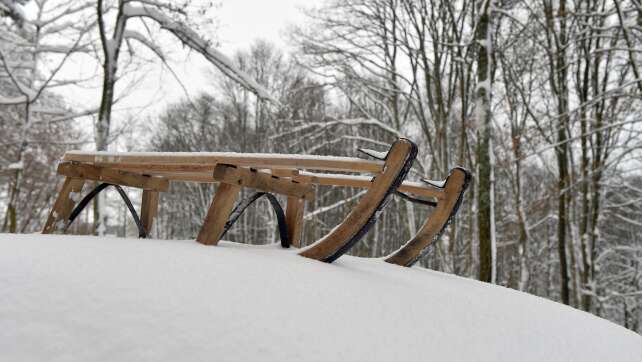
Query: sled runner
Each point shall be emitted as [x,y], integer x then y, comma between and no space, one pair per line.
[448,195]
[269,175]
[396,166]
[449,198]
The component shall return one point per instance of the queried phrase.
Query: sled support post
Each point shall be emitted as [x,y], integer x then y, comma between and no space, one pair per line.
[63,205]
[218,214]
[149,209]
[294,220]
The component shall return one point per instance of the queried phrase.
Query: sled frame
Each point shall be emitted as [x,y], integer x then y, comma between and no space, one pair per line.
[293,177]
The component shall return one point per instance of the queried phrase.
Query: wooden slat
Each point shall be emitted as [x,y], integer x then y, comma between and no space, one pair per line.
[149,209]
[189,161]
[119,177]
[294,220]
[255,179]
[218,214]
[64,204]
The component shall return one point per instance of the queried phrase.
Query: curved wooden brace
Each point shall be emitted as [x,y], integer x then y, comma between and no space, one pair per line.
[431,230]
[397,164]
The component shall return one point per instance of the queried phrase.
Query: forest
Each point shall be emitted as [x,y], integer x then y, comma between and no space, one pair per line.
[540,99]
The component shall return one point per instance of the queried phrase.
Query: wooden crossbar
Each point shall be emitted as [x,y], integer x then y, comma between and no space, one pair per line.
[326,179]
[255,179]
[118,177]
[365,182]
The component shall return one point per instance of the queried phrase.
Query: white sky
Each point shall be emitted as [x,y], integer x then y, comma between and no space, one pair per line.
[245,20]
[240,22]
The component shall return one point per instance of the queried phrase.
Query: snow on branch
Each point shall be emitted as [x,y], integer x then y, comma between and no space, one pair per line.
[27,94]
[13,10]
[12,101]
[62,48]
[42,23]
[630,221]
[134,35]
[194,41]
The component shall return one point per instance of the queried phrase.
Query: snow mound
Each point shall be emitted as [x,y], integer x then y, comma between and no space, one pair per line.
[78,298]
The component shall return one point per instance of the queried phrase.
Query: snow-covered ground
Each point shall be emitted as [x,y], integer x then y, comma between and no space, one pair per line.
[73,298]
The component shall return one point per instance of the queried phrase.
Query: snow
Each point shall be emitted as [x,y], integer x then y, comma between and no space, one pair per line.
[485,85]
[376,154]
[110,47]
[13,9]
[338,176]
[15,166]
[80,298]
[75,196]
[435,183]
[7,101]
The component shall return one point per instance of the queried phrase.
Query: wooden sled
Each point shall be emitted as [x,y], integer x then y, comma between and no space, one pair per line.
[268,174]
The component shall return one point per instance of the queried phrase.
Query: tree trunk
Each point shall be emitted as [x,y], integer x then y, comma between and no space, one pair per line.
[484,150]
[111,50]
[562,154]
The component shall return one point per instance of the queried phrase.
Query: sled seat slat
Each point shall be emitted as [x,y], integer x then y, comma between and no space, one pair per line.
[197,161]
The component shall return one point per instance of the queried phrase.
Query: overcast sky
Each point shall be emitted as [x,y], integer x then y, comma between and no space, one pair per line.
[244,20]
[240,22]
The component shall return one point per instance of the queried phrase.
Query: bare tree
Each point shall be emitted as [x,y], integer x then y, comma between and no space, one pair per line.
[22,59]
